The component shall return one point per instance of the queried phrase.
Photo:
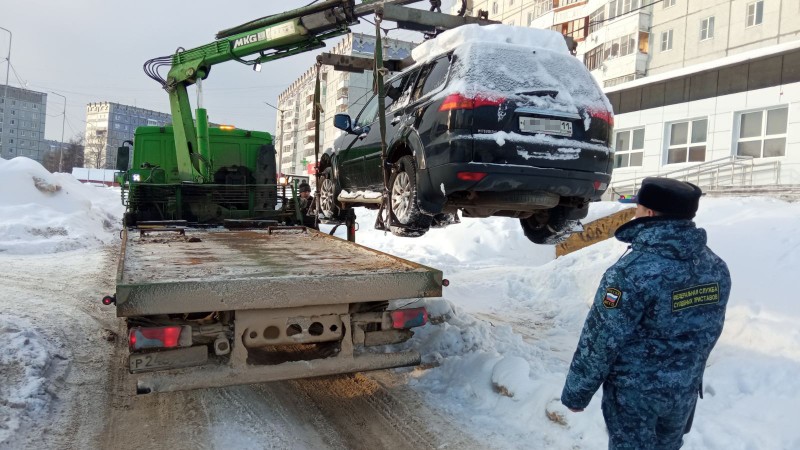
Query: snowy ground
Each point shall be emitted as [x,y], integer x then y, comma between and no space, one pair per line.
[512,315]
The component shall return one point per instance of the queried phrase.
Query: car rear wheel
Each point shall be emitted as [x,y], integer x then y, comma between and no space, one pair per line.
[404,207]
[327,197]
[549,227]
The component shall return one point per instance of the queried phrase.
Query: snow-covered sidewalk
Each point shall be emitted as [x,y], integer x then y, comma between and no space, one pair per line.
[510,318]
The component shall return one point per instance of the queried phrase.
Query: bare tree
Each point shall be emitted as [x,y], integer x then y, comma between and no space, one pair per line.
[94,156]
[72,156]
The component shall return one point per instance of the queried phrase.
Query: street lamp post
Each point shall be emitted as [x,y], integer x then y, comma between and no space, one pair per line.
[63,119]
[280,148]
[8,66]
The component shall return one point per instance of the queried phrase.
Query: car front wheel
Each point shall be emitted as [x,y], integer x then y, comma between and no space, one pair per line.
[404,207]
[549,227]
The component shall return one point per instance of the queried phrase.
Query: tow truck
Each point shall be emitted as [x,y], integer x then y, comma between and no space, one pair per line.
[216,282]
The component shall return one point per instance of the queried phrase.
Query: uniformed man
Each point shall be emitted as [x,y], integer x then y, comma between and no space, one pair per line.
[307,205]
[656,316]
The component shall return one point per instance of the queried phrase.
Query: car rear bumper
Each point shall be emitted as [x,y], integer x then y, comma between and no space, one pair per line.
[436,184]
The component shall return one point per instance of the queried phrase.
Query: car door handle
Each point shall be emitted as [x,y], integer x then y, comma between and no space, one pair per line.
[396,120]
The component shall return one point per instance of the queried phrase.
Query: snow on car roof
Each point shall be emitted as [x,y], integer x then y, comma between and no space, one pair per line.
[498,34]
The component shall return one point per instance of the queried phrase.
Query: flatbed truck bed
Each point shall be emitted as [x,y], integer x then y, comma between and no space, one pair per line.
[247,306]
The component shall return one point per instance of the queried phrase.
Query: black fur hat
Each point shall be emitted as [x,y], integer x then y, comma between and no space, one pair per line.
[669,197]
[304,187]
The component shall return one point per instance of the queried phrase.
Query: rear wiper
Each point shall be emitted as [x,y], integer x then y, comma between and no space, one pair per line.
[541,93]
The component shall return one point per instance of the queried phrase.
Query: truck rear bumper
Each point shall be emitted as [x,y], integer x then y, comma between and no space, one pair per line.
[223,375]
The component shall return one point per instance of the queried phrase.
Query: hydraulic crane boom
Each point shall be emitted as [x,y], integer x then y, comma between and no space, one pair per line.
[270,38]
[266,39]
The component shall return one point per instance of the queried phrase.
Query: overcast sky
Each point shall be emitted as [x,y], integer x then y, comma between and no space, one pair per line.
[93,51]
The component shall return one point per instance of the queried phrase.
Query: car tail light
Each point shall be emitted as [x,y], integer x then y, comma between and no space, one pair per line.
[460,101]
[605,116]
[601,125]
[154,337]
[409,318]
[600,186]
[471,176]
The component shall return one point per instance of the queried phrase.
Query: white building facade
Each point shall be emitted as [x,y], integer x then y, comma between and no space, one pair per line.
[340,92]
[108,125]
[704,91]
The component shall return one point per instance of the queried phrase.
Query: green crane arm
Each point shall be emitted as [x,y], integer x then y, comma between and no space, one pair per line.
[266,39]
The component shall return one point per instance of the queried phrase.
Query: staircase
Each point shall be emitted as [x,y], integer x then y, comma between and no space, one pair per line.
[729,176]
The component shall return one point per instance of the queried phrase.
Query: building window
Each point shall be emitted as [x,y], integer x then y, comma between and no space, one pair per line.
[576,29]
[621,46]
[644,42]
[540,8]
[687,141]
[707,28]
[755,13]
[762,134]
[495,8]
[668,3]
[593,58]
[666,40]
[596,19]
[510,2]
[620,7]
[628,148]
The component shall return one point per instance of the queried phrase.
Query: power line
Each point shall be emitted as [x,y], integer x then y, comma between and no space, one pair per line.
[624,14]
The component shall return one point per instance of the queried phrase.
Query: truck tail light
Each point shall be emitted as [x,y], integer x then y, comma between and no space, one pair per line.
[460,101]
[409,318]
[154,337]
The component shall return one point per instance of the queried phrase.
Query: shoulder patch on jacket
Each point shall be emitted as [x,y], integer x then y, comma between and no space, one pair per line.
[704,294]
[612,298]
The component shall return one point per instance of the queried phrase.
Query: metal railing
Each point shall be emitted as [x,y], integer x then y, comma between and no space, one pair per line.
[730,171]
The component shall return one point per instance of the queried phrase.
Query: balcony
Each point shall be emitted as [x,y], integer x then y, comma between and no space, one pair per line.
[342,92]
[311,125]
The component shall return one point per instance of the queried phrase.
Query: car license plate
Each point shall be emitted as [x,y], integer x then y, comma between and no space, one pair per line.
[168,359]
[547,126]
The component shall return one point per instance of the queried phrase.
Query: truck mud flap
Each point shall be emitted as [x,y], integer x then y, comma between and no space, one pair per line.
[223,375]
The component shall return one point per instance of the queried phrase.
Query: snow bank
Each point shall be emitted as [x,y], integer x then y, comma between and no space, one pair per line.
[510,300]
[42,212]
[482,242]
[498,34]
[26,360]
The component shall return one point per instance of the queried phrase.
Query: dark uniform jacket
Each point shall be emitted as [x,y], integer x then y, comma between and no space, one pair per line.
[656,316]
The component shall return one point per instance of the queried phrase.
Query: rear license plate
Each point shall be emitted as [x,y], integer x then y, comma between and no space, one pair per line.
[168,359]
[547,126]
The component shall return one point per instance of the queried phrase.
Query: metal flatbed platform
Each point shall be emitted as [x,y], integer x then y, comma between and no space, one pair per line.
[220,270]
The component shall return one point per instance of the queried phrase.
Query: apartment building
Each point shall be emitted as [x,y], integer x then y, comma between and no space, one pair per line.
[706,91]
[22,120]
[341,92]
[108,125]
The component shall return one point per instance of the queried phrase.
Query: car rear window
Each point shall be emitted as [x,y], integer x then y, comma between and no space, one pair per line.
[498,70]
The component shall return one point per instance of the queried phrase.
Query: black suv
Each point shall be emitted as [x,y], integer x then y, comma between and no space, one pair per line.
[490,129]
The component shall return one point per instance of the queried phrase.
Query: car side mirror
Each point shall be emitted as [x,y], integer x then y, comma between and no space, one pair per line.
[343,122]
[123,158]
